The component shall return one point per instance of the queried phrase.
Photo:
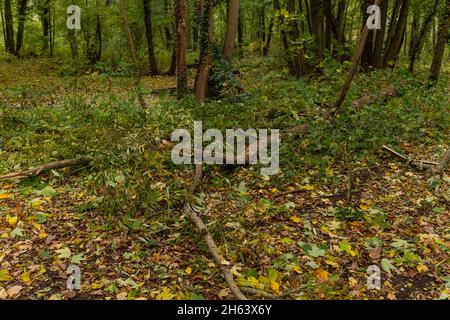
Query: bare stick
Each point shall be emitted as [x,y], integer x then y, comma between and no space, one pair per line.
[417,164]
[201,227]
[45,167]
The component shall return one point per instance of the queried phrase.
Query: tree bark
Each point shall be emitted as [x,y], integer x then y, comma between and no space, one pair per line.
[22,11]
[9,26]
[441,43]
[180,27]
[398,36]
[149,36]
[232,25]
[378,61]
[204,70]
[317,14]
[417,42]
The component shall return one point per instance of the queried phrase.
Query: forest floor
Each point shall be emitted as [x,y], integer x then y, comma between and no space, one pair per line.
[310,234]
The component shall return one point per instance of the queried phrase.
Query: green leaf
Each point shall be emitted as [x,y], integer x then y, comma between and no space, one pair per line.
[76,259]
[387,265]
[17,232]
[48,192]
[64,253]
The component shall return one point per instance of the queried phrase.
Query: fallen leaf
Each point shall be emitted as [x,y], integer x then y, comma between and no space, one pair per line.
[14,291]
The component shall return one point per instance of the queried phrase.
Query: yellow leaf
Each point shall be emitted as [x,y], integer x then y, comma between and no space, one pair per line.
[352,282]
[5,196]
[4,275]
[308,187]
[296,219]
[97,285]
[43,235]
[11,220]
[275,286]
[297,269]
[188,270]
[253,282]
[37,202]
[26,278]
[332,263]
[364,207]
[422,268]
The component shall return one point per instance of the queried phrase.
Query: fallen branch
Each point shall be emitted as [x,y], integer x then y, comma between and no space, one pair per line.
[259,293]
[442,165]
[367,99]
[423,164]
[201,227]
[46,167]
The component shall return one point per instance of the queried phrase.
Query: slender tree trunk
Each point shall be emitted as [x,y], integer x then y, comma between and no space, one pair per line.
[441,43]
[317,14]
[9,25]
[351,73]
[180,27]
[367,56]
[378,62]
[73,44]
[232,25]
[204,70]
[45,20]
[2,16]
[417,42]
[240,30]
[298,64]
[398,36]
[149,36]
[22,11]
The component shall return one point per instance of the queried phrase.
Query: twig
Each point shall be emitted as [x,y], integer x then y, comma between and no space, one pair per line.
[45,167]
[201,227]
[417,164]
[260,293]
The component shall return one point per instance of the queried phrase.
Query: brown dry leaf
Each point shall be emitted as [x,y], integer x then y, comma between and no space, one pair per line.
[3,294]
[14,291]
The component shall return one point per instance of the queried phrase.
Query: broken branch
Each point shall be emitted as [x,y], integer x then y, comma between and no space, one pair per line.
[201,227]
[423,164]
[46,167]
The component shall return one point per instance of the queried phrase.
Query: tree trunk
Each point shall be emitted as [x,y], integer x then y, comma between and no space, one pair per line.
[398,36]
[9,26]
[351,73]
[317,14]
[2,16]
[204,70]
[180,27]
[378,62]
[149,36]
[441,43]
[417,42]
[45,20]
[298,63]
[367,56]
[22,11]
[232,25]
